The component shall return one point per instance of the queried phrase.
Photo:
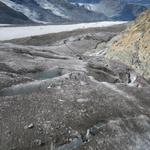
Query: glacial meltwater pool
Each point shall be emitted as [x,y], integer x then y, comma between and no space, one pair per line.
[40,84]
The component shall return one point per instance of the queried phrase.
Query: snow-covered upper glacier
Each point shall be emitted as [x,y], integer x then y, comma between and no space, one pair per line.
[8,33]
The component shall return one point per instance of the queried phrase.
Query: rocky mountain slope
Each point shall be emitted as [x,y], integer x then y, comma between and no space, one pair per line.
[10,16]
[133,46]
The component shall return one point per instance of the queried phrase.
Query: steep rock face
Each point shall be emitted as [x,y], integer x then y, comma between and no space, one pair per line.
[8,15]
[133,47]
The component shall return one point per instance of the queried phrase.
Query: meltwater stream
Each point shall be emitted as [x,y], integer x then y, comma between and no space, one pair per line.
[40,83]
[56,72]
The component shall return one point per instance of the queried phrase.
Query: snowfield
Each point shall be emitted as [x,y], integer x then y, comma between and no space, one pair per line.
[8,33]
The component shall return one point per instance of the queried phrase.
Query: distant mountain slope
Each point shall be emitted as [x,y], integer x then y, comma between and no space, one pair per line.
[53,11]
[133,46]
[85,1]
[73,11]
[140,2]
[9,16]
[114,9]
